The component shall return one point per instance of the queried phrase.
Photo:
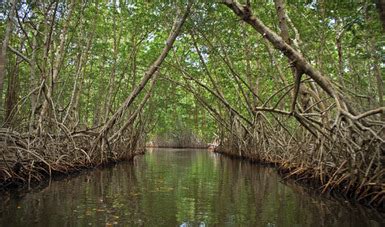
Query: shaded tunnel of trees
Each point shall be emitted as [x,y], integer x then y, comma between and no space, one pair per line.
[298,84]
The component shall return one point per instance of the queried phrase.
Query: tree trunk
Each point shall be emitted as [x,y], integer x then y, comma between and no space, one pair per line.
[73,107]
[381,10]
[4,47]
[111,84]
[177,27]
[11,98]
[33,82]
[377,73]
[281,12]
[296,58]
[59,56]
[380,85]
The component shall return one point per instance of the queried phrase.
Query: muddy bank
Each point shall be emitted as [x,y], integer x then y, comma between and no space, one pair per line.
[179,146]
[372,196]
[28,161]
[22,182]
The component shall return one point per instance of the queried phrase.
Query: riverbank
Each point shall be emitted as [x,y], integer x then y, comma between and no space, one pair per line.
[55,173]
[178,147]
[174,187]
[19,174]
[29,161]
[372,196]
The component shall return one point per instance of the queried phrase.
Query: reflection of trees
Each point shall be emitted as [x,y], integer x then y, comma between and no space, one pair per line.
[257,193]
[90,198]
[172,187]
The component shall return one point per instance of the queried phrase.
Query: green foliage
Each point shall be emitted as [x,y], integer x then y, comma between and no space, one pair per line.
[125,37]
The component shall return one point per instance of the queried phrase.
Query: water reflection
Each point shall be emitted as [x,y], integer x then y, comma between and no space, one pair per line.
[179,188]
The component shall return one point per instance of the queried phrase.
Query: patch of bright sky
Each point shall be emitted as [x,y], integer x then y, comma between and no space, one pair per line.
[332,22]
[150,38]
[23,11]
[192,62]
[312,5]
[129,5]
[195,63]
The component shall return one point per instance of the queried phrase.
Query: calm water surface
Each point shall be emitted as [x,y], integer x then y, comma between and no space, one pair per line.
[169,187]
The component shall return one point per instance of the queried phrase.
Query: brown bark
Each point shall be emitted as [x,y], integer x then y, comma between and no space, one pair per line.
[224,56]
[108,104]
[302,66]
[138,110]
[296,58]
[275,64]
[376,60]
[11,97]
[297,73]
[339,38]
[4,47]
[78,90]
[222,99]
[381,10]
[216,115]
[239,80]
[177,27]
[280,7]
[208,72]
[46,79]
[33,84]
[380,84]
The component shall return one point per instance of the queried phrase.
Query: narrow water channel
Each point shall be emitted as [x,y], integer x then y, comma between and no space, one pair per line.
[170,187]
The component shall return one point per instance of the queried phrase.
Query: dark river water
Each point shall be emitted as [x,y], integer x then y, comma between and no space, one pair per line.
[170,187]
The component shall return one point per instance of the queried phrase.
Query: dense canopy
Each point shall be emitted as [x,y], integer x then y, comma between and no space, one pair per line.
[295,83]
